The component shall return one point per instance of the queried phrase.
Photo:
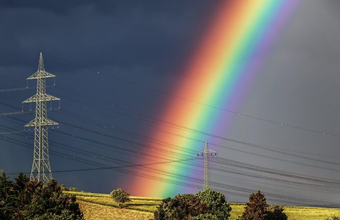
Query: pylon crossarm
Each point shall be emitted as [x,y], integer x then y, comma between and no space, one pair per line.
[41,75]
[41,98]
[44,122]
[210,152]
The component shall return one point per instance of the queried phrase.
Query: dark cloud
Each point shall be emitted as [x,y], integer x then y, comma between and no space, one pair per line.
[101,33]
[59,7]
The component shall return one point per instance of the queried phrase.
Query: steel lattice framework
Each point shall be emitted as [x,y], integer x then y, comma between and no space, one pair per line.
[41,168]
[207,153]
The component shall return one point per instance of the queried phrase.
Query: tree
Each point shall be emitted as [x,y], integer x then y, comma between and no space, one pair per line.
[5,192]
[216,203]
[256,208]
[25,199]
[49,199]
[120,196]
[276,213]
[206,216]
[180,207]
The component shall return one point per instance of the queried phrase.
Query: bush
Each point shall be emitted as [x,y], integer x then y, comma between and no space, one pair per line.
[256,208]
[73,189]
[207,216]
[276,213]
[25,199]
[180,207]
[120,196]
[216,202]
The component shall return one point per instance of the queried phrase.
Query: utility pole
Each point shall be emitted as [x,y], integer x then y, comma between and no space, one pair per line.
[41,168]
[206,154]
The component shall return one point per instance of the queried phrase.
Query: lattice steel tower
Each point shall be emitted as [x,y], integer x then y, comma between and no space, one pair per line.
[206,154]
[41,168]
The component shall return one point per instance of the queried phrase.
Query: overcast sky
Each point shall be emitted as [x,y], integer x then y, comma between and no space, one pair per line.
[148,42]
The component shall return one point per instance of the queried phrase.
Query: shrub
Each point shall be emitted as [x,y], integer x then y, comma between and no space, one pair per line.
[180,207]
[207,216]
[256,208]
[276,213]
[120,196]
[216,202]
[73,189]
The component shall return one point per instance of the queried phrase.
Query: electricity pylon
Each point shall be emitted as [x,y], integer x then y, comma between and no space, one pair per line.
[206,154]
[41,168]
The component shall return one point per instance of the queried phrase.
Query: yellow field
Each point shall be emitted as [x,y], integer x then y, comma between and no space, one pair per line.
[294,212]
[101,206]
[93,211]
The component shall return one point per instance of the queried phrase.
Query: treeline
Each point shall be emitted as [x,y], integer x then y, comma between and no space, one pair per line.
[23,199]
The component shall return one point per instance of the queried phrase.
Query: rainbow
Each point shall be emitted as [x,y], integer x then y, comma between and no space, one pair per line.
[234,48]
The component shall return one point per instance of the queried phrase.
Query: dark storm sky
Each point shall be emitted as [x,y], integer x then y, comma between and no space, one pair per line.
[149,42]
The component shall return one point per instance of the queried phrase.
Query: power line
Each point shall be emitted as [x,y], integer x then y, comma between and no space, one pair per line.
[250,145]
[148,88]
[199,141]
[22,88]
[13,132]
[96,141]
[214,183]
[234,163]
[106,168]
[88,139]
[181,183]
[16,113]
[252,167]
[100,144]
[215,168]
[161,122]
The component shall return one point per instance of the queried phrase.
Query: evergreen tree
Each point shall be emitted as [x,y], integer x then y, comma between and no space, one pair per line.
[256,208]
[276,213]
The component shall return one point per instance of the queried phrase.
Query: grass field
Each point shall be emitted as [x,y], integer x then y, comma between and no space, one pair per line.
[101,206]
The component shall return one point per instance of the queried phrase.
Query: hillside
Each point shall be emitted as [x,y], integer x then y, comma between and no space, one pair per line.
[101,206]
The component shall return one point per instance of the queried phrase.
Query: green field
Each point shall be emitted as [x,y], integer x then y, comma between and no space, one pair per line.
[101,206]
